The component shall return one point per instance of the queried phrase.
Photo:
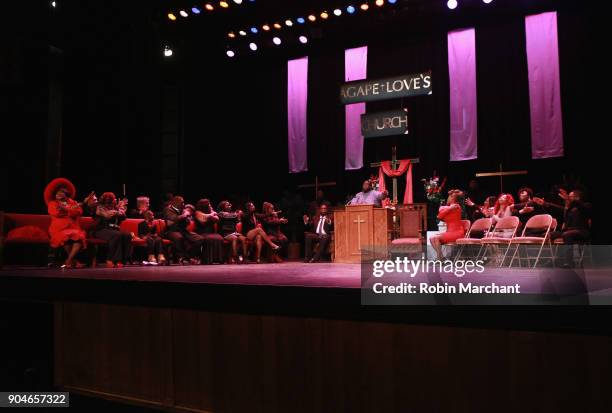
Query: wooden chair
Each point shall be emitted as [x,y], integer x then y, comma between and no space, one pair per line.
[412,227]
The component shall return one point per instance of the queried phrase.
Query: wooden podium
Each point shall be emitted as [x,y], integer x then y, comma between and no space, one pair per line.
[361,232]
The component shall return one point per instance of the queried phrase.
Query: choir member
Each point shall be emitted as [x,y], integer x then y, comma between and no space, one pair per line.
[272,223]
[65,231]
[451,215]
[150,231]
[206,220]
[368,196]
[576,223]
[502,208]
[526,208]
[142,206]
[109,215]
[89,205]
[186,244]
[318,228]
[251,227]
[228,220]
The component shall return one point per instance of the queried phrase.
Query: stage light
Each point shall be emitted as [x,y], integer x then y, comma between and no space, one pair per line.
[312,17]
[242,33]
[53,4]
[238,1]
[171,16]
[451,4]
[195,10]
[487,1]
[254,30]
[230,53]
[392,1]
[380,3]
[303,39]
[288,23]
[277,41]
[209,7]
[277,26]
[324,15]
[350,9]
[337,12]
[364,6]
[167,51]
[265,27]
[253,46]
[183,13]
[300,20]
[224,4]
[231,35]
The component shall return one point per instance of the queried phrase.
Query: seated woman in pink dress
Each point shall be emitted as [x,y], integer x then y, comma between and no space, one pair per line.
[451,215]
[65,230]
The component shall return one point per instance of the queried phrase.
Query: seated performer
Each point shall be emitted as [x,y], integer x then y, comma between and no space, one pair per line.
[526,208]
[142,206]
[89,205]
[318,231]
[186,244]
[253,231]
[576,223]
[65,230]
[109,215]
[271,224]
[451,214]
[149,231]
[206,219]
[502,208]
[228,220]
[368,196]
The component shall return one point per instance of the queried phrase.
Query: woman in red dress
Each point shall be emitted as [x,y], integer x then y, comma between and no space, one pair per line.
[451,215]
[65,230]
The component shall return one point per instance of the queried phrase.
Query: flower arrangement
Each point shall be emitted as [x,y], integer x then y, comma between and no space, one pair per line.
[434,189]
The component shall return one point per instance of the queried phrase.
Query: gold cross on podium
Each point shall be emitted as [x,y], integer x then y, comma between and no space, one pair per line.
[359,221]
[394,166]
[501,175]
[317,185]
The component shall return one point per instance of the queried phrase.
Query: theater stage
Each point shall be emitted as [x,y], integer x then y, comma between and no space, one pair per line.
[293,337]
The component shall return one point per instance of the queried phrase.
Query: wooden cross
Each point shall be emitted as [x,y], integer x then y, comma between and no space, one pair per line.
[317,184]
[501,175]
[359,221]
[394,166]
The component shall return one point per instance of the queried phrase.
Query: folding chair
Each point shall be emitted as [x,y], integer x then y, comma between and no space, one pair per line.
[501,235]
[543,223]
[480,225]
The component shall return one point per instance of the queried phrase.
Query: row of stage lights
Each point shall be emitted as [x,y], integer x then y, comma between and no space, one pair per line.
[276,41]
[208,7]
[453,4]
[324,15]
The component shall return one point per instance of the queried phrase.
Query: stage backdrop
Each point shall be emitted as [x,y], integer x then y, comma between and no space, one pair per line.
[355,68]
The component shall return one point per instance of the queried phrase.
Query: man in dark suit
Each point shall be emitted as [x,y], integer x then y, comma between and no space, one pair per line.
[318,229]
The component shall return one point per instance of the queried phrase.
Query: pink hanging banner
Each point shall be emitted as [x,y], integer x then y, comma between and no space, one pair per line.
[355,68]
[544,85]
[462,81]
[297,103]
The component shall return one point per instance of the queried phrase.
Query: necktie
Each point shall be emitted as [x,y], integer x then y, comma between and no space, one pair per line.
[320,226]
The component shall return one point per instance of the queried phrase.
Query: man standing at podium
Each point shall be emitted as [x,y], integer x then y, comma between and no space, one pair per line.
[368,196]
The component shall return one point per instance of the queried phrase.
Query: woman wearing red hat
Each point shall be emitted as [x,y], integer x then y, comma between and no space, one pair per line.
[65,230]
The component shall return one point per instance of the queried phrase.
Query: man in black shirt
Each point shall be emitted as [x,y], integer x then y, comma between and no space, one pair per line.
[576,223]
[186,244]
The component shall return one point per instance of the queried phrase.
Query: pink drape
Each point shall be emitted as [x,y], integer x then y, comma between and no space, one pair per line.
[355,68]
[544,85]
[462,78]
[297,101]
[385,169]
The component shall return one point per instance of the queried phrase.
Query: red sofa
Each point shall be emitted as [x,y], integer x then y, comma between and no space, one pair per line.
[34,230]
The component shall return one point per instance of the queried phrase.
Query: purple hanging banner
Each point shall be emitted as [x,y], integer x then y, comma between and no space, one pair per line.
[297,103]
[544,85]
[462,78]
[355,68]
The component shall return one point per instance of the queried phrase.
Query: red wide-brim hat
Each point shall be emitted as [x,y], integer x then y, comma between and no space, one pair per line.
[56,184]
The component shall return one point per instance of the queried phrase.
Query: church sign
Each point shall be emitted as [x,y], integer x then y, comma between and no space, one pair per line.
[392,122]
[390,88]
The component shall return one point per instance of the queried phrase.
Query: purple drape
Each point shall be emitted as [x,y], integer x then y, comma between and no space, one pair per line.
[355,68]
[544,85]
[297,99]
[462,78]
